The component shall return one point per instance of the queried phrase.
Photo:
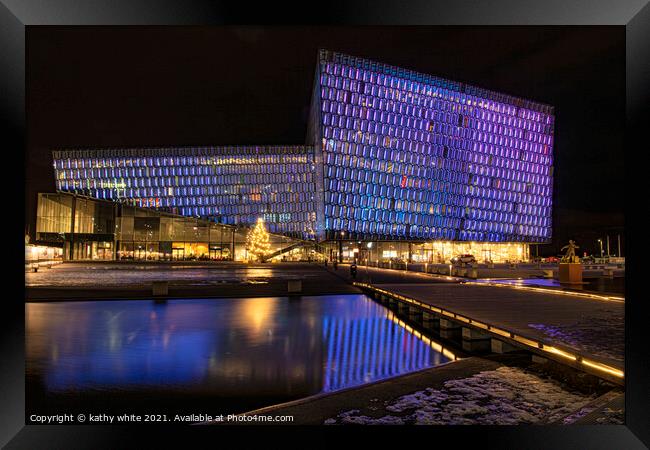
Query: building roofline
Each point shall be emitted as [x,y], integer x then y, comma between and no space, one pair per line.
[425,78]
[184,150]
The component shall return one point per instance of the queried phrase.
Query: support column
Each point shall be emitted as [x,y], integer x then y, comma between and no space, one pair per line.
[476,341]
[115,241]
[449,329]
[430,320]
[415,313]
[232,254]
[402,308]
[72,220]
[502,347]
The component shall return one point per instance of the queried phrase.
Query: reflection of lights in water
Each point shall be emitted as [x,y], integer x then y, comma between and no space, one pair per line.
[238,346]
[166,336]
[367,349]
[257,312]
[257,273]
[115,332]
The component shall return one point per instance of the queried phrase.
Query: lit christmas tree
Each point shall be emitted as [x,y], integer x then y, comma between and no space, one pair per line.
[257,241]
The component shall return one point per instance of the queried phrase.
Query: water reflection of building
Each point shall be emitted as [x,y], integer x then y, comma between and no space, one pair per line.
[364,350]
[261,346]
[230,348]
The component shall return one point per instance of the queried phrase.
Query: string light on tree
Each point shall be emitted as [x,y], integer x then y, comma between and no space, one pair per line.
[257,241]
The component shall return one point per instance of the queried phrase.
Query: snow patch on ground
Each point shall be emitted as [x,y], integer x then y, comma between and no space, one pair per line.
[602,336]
[612,417]
[505,396]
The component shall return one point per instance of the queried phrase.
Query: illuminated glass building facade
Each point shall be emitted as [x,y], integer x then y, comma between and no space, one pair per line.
[91,229]
[229,185]
[391,155]
[415,157]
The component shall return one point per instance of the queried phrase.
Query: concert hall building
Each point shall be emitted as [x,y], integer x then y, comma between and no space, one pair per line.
[397,165]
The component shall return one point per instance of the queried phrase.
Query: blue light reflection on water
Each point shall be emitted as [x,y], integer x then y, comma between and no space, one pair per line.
[236,346]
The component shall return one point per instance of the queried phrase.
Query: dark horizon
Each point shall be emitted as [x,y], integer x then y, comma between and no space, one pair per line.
[185,86]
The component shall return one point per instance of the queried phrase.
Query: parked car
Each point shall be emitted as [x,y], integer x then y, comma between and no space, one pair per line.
[551,259]
[463,259]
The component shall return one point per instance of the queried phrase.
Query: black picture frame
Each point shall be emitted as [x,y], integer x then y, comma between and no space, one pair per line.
[16,15]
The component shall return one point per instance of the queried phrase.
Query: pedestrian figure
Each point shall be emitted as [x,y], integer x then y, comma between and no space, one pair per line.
[326,263]
[353,270]
[335,263]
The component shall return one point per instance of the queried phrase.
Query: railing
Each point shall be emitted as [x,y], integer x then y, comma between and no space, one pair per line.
[286,249]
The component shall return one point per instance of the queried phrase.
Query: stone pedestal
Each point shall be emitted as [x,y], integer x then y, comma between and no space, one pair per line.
[570,273]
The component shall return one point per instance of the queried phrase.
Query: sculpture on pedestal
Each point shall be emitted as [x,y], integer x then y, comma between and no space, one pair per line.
[570,256]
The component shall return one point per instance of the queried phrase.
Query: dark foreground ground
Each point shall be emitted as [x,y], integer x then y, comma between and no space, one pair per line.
[493,390]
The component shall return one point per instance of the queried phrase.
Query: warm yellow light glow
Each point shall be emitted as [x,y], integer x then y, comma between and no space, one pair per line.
[604,368]
[523,340]
[257,241]
[500,332]
[559,352]
[448,354]
[258,311]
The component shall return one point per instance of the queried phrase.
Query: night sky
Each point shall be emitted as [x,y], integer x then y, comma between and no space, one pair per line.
[136,86]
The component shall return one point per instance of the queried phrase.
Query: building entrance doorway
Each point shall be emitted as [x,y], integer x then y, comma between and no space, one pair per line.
[215,253]
[178,254]
[141,252]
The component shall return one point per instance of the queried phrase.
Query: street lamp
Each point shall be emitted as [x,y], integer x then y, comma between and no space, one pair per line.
[600,241]
[369,245]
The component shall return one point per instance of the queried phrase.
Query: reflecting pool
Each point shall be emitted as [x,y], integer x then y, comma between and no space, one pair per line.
[229,355]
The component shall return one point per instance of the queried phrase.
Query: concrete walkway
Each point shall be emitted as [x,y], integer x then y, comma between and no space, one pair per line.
[217,280]
[588,327]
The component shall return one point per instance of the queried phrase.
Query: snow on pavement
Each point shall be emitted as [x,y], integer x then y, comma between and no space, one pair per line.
[601,334]
[505,396]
